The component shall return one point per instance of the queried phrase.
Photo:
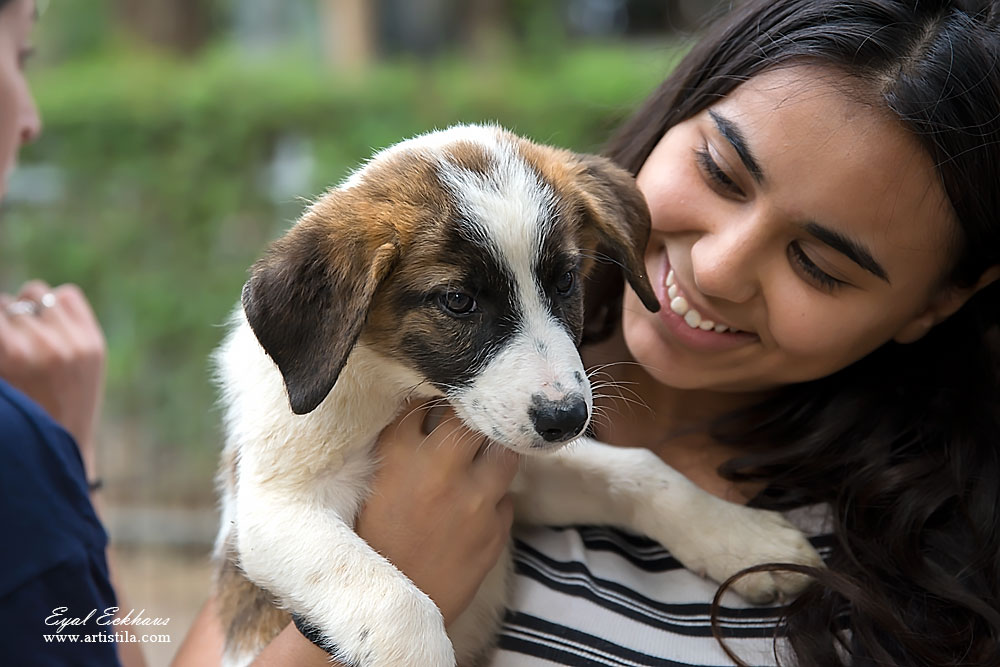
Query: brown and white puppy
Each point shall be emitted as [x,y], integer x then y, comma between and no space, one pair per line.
[450,265]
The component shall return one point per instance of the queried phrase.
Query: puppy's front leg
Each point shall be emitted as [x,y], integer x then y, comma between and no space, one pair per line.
[304,553]
[632,488]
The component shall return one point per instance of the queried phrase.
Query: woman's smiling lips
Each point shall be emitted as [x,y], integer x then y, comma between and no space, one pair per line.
[685,322]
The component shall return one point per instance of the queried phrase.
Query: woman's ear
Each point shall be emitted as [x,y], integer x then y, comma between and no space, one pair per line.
[944,305]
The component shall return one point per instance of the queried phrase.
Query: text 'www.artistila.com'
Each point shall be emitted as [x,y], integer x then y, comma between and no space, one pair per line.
[119,637]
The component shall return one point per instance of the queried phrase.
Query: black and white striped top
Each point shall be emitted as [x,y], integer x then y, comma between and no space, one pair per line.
[600,597]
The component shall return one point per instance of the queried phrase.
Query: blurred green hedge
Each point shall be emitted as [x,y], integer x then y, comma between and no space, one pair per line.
[162,199]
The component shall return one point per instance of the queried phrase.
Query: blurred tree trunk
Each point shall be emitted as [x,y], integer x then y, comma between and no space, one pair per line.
[180,26]
[486,26]
[348,33]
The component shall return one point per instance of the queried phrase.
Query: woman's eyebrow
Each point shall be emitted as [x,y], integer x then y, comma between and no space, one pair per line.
[731,133]
[854,251]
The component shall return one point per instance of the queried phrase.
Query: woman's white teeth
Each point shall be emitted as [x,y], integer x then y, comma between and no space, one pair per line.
[692,317]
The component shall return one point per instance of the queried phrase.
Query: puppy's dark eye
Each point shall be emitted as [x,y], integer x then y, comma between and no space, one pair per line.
[565,283]
[458,303]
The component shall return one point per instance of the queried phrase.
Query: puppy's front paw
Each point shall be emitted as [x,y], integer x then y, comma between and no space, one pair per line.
[383,634]
[731,538]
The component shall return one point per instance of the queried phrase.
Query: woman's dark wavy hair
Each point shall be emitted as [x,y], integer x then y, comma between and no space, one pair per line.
[903,445]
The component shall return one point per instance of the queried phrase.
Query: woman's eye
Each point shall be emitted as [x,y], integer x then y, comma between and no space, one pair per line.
[565,283]
[458,303]
[821,277]
[715,173]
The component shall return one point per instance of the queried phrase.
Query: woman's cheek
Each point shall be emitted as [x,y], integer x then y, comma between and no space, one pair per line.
[804,324]
[817,343]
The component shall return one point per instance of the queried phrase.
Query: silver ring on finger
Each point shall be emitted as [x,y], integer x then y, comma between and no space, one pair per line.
[48,300]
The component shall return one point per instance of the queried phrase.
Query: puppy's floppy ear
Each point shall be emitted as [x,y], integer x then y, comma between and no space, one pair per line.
[307,301]
[617,215]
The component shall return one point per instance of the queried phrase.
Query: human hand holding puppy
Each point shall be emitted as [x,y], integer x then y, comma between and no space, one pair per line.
[439,509]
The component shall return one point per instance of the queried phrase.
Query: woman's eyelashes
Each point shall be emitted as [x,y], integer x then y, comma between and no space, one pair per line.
[823,279]
[715,174]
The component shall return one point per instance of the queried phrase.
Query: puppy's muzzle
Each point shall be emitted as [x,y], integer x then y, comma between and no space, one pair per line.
[559,421]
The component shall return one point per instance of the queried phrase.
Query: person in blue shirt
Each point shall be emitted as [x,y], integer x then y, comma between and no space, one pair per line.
[54,575]
[53,568]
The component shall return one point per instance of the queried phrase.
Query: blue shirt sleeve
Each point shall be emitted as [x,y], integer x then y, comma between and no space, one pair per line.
[52,561]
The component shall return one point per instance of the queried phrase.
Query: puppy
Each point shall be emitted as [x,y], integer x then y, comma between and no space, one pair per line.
[450,265]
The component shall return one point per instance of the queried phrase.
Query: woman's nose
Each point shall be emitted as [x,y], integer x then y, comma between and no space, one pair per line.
[725,261]
[31,121]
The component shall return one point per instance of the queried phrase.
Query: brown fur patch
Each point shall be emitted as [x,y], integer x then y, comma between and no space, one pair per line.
[469,156]
[249,615]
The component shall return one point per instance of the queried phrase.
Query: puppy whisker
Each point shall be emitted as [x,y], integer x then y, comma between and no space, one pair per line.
[458,437]
[610,408]
[620,390]
[602,258]
[625,401]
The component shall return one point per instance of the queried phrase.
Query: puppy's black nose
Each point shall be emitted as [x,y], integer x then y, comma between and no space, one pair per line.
[557,421]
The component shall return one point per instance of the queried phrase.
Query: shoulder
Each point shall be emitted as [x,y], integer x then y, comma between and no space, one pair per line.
[595,595]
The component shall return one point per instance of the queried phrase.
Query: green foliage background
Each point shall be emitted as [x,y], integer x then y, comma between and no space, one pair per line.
[162,205]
